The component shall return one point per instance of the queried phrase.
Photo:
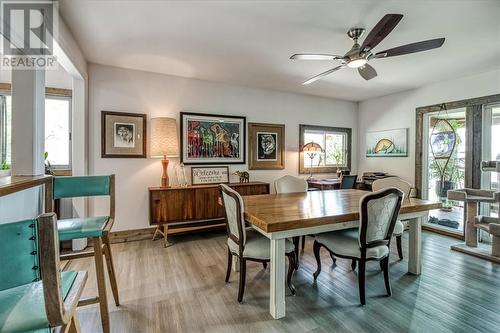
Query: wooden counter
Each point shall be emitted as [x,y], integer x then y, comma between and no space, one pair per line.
[12,184]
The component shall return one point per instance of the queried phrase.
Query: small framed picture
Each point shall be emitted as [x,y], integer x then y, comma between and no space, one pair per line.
[209,175]
[123,135]
[266,145]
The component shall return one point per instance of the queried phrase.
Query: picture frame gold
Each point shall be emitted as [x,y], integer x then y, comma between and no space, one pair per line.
[266,145]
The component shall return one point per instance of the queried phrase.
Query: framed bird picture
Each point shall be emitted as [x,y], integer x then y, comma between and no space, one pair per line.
[212,139]
[266,146]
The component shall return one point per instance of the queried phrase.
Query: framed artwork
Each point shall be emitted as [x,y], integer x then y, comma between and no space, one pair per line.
[389,143]
[266,146]
[209,175]
[212,139]
[123,135]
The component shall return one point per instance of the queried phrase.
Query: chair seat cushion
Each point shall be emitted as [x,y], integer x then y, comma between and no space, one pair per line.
[346,243]
[398,228]
[81,227]
[22,309]
[257,246]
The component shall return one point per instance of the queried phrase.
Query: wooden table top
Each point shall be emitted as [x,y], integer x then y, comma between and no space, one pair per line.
[11,184]
[281,212]
[324,181]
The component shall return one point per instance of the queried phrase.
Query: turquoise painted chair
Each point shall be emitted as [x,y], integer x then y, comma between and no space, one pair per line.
[96,228]
[34,295]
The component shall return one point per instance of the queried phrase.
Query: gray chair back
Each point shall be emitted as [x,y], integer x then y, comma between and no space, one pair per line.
[379,212]
[233,206]
[290,184]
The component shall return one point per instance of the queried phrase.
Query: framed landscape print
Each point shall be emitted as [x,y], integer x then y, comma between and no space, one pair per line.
[266,146]
[389,143]
[123,135]
[212,139]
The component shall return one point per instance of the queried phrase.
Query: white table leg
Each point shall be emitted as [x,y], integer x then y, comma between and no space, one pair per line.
[277,290]
[415,245]
[236,264]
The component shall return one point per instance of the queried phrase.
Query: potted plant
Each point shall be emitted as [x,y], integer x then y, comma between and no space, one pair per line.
[337,156]
[4,169]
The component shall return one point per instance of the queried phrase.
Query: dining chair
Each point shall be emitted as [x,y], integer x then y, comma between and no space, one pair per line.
[248,244]
[348,182]
[34,295]
[378,214]
[404,187]
[291,184]
[96,228]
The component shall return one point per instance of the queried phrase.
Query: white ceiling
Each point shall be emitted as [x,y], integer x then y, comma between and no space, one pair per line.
[249,42]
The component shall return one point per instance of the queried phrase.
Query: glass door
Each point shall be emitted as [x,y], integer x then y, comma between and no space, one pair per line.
[443,159]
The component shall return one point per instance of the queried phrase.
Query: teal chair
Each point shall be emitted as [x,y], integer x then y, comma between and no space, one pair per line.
[96,228]
[35,296]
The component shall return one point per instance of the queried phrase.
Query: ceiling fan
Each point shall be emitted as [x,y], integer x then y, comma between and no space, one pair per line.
[359,55]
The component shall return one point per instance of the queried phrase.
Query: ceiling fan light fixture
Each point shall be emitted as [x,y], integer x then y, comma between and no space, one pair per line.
[357,63]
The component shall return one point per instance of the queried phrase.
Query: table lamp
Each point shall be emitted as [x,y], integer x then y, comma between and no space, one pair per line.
[164,143]
[311,149]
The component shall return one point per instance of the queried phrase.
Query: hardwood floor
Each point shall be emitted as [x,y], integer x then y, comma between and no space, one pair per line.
[181,289]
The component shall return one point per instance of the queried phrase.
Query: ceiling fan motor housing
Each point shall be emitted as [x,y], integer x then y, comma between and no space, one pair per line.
[355,33]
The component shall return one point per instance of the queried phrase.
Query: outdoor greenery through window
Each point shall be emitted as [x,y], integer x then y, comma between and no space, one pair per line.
[57,131]
[335,143]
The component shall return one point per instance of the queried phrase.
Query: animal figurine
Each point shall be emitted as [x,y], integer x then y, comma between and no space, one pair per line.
[244,176]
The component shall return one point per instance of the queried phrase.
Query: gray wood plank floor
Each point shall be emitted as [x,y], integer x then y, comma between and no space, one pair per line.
[182,289]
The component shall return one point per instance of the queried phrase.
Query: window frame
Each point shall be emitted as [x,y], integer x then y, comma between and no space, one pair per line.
[70,119]
[53,93]
[303,169]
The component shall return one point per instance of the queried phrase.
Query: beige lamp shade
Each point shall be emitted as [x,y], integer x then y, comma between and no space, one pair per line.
[164,138]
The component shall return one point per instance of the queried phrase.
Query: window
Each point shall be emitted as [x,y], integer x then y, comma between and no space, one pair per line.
[335,143]
[57,130]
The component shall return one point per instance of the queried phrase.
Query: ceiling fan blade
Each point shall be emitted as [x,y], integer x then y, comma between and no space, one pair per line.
[308,56]
[367,72]
[380,31]
[411,48]
[319,76]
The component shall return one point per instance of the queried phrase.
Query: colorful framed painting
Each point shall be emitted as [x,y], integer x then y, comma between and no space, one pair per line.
[212,139]
[389,143]
[266,146]
[123,135]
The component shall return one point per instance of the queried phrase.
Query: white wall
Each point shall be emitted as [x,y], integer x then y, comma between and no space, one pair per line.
[398,111]
[115,89]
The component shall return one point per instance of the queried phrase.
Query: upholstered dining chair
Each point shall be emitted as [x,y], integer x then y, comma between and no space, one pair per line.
[348,182]
[97,228]
[291,184]
[404,187]
[378,215]
[35,296]
[248,244]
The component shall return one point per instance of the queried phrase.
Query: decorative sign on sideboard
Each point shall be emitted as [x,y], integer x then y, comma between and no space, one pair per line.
[209,175]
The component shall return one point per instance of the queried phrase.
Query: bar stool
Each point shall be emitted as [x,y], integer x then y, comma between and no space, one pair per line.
[97,228]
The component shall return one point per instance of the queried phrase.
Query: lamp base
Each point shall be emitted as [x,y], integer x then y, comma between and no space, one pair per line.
[164,176]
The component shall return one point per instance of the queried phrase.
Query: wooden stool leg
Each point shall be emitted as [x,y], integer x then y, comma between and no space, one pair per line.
[111,269]
[73,326]
[101,283]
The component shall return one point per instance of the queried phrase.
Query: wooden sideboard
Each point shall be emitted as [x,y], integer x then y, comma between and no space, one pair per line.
[192,207]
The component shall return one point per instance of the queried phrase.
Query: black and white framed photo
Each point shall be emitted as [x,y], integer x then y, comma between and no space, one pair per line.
[212,139]
[266,146]
[123,135]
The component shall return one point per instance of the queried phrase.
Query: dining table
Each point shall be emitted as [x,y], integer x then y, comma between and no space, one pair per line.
[281,216]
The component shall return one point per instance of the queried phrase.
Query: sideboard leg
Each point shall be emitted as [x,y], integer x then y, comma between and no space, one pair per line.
[165,234]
